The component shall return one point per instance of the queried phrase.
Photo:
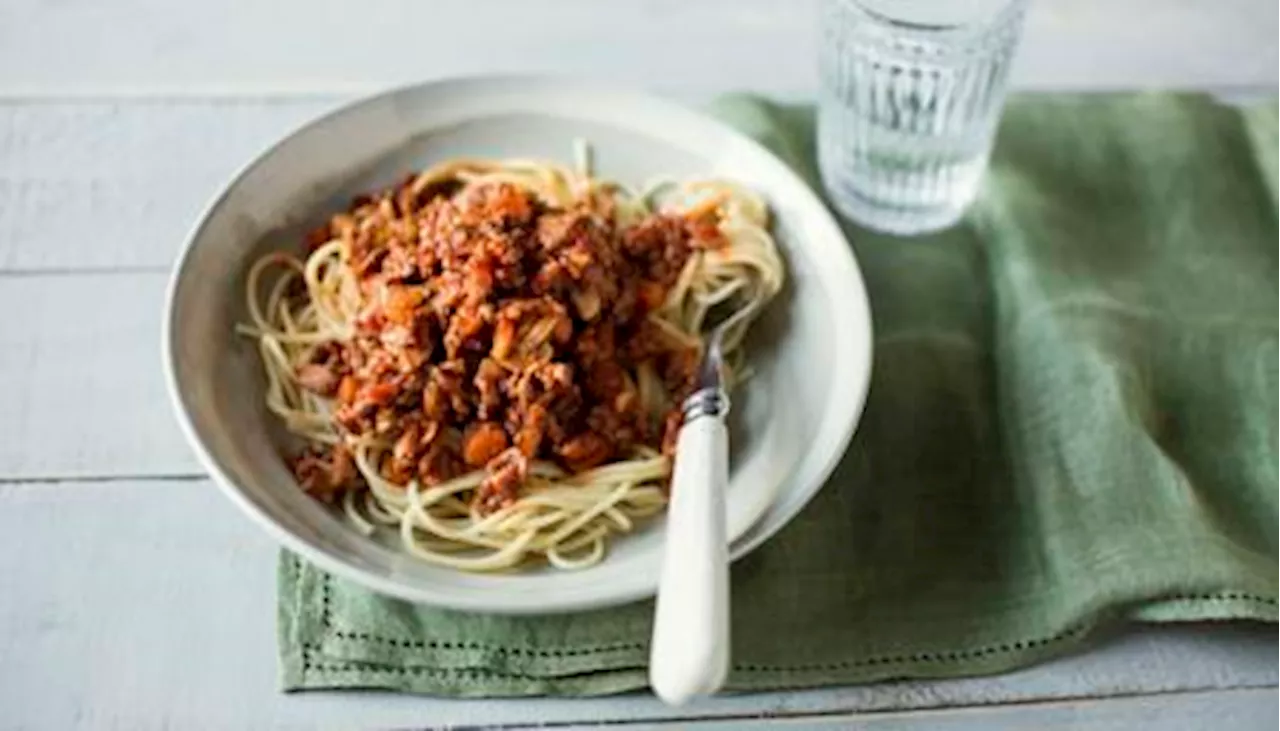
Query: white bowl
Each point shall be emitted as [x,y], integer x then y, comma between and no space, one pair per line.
[791,422]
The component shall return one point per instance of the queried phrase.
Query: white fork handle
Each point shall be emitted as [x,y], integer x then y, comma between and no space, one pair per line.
[689,655]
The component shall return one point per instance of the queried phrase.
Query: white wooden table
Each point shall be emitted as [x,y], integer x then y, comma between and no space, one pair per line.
[133,596]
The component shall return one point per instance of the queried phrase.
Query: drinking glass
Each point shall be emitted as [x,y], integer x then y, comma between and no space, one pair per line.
[911,93]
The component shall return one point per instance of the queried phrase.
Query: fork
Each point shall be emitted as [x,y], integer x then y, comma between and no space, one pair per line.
[689,652]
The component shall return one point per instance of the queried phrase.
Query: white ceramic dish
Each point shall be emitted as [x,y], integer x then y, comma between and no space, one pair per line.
[792,421]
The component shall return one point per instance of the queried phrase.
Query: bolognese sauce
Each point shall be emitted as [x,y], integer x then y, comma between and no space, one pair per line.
[496,330]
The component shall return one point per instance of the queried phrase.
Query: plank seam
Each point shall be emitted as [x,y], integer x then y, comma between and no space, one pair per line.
[101,479]
[62,271]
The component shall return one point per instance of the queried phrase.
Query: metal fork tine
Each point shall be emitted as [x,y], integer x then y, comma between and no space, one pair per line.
[709,374]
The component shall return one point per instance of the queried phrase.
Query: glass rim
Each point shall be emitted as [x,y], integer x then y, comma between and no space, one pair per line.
[1009,12]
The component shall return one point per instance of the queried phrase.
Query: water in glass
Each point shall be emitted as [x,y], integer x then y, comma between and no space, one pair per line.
[911,93]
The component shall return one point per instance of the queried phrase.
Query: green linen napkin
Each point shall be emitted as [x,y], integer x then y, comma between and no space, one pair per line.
[1071,424]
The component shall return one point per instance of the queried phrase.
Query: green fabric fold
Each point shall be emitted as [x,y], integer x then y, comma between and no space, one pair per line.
[1072,424]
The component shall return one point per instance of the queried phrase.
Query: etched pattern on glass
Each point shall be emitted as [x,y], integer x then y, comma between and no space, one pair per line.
[908,109]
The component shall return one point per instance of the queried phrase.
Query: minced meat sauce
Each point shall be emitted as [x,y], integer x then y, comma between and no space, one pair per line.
[496,330]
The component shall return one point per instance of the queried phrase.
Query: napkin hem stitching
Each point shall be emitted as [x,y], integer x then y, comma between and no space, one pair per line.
[351,666]
[326,621]
[478,673]
[926,657]
[448,645]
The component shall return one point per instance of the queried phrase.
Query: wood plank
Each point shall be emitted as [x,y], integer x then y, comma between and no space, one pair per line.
[84,396]
[150,604]
[1246,708]
[322,46]
[109,185]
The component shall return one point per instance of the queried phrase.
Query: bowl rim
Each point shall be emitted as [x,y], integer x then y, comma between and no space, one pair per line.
[853,299]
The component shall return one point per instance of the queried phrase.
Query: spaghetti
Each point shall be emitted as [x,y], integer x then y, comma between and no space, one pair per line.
[490,357]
